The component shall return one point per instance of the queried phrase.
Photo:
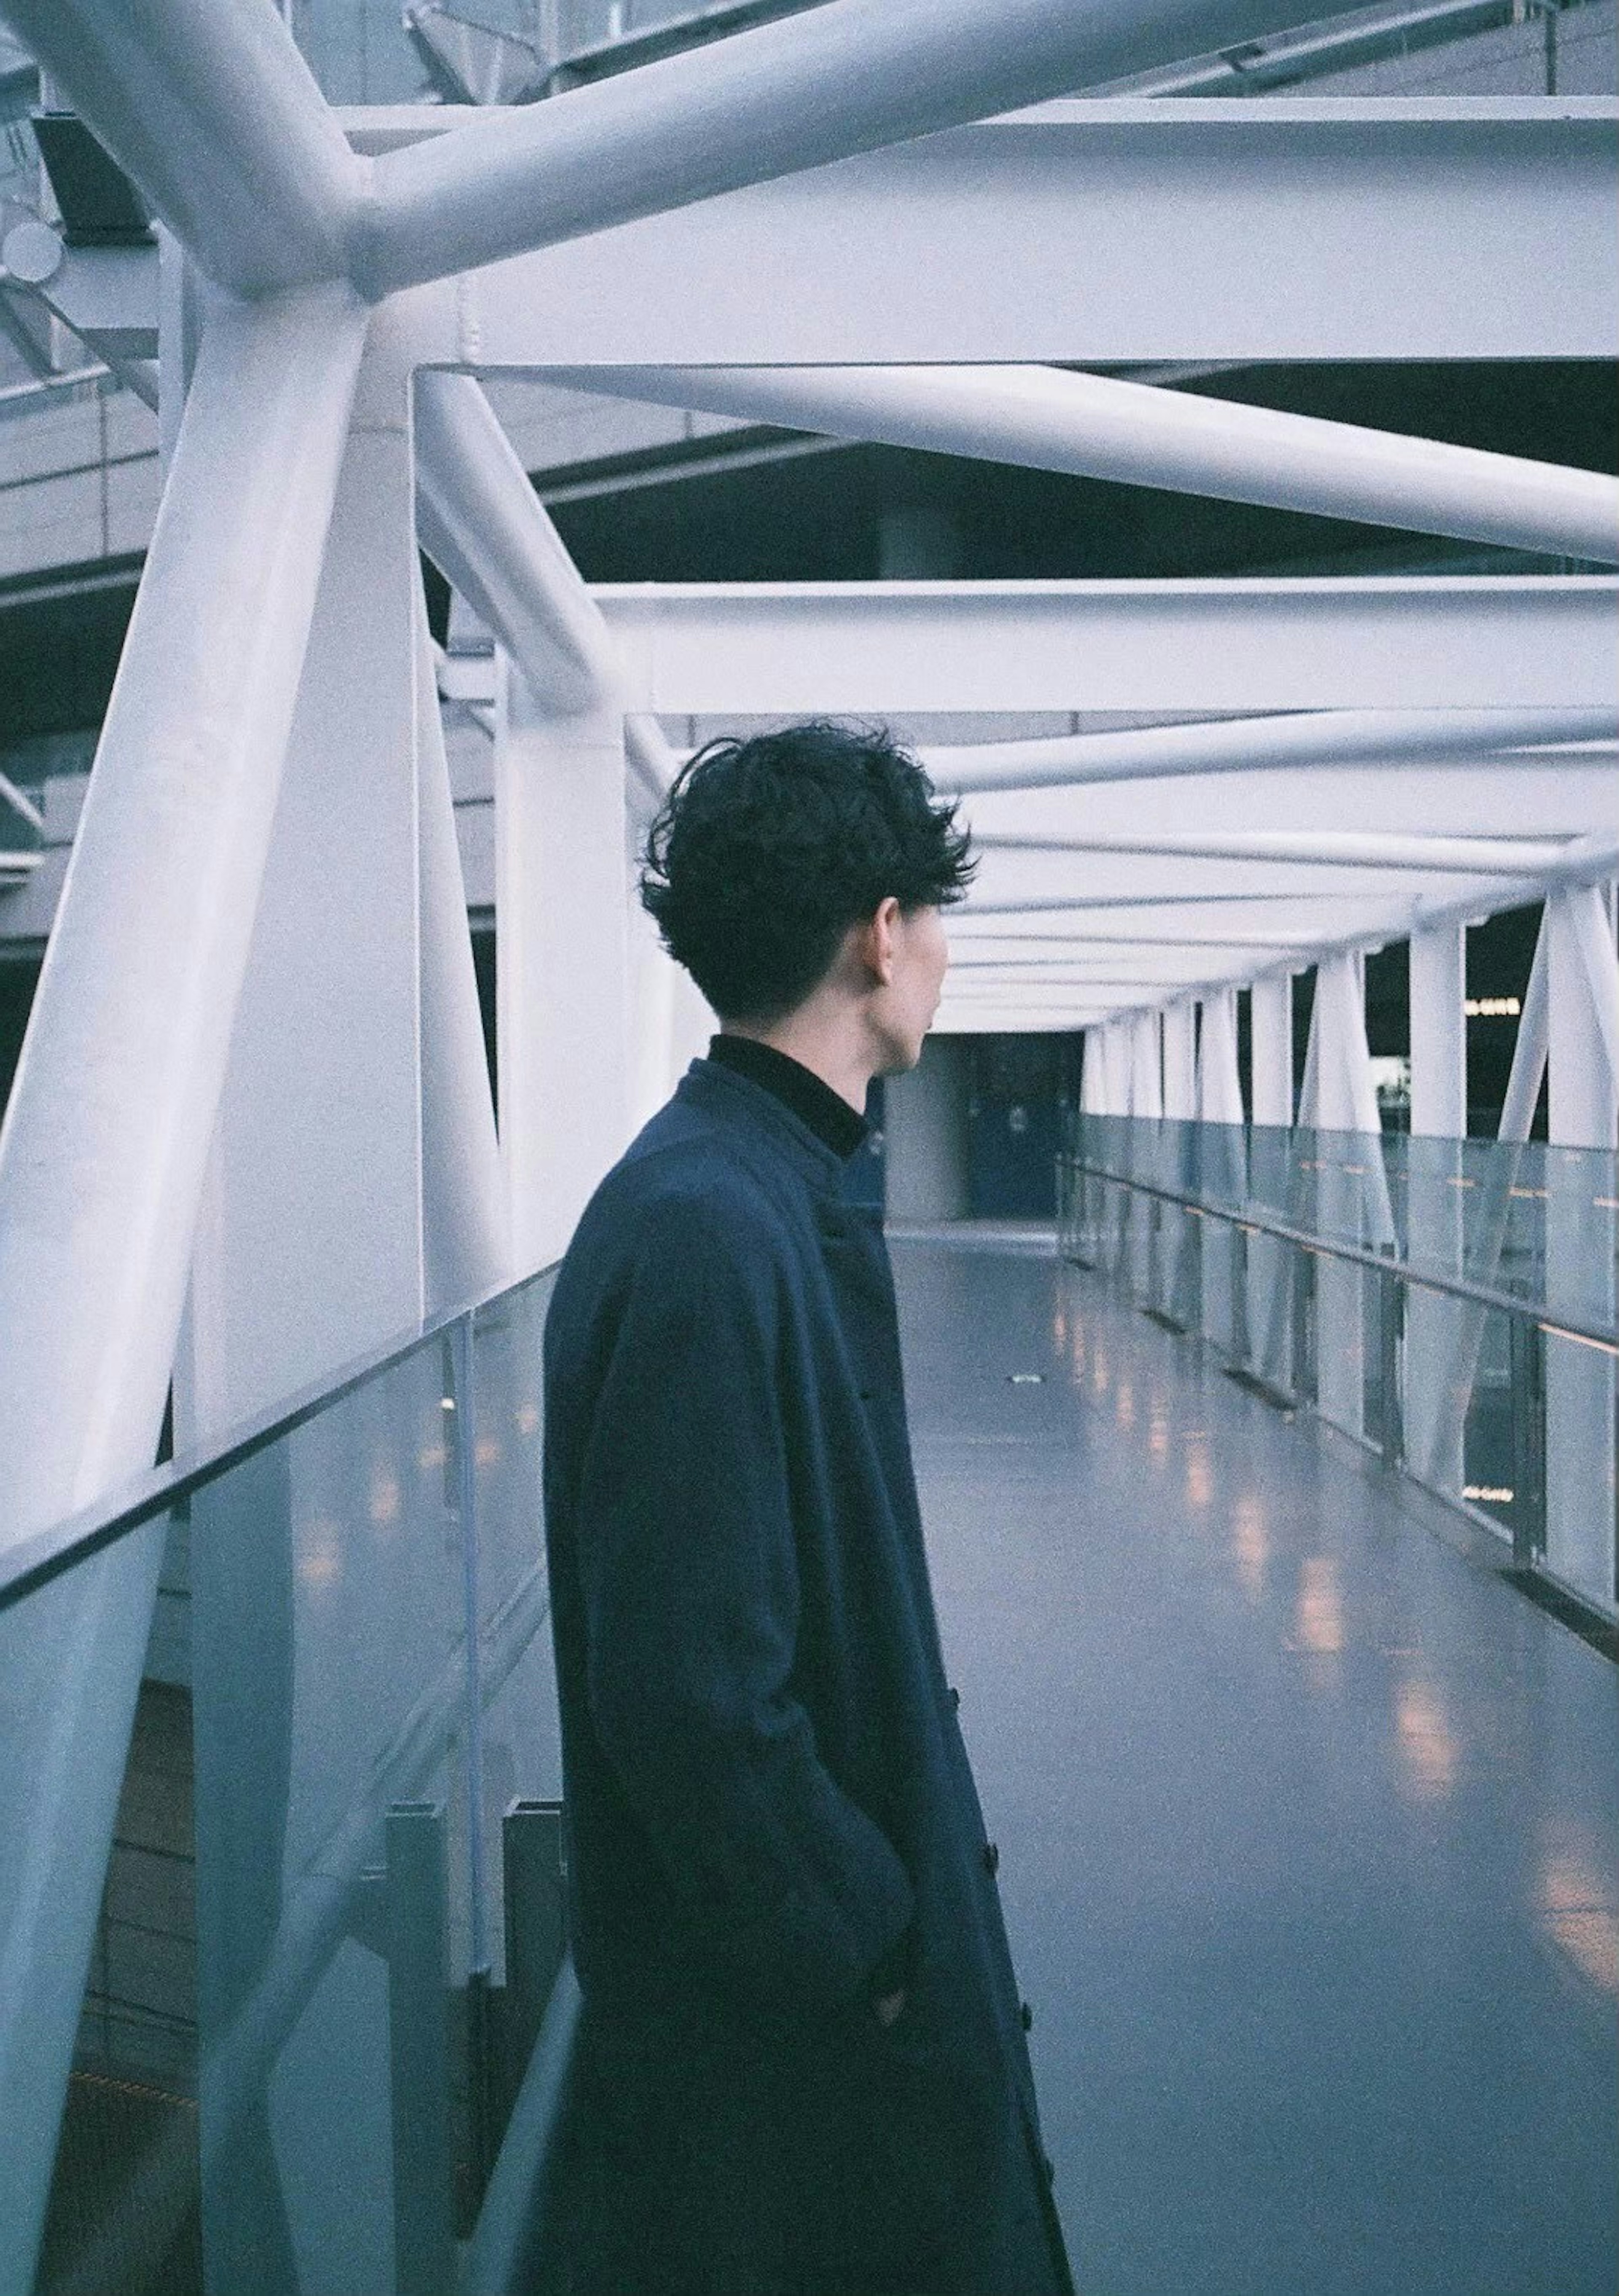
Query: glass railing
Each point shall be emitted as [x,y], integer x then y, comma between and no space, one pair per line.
[1450,1302]
[323,2038]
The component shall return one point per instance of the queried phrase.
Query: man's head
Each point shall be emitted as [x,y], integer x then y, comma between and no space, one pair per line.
[806,864]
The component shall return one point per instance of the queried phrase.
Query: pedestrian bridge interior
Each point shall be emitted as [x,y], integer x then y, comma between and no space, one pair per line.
[1190,428]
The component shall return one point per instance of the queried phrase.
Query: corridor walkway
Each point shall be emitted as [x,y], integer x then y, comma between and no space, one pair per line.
[1307,1820]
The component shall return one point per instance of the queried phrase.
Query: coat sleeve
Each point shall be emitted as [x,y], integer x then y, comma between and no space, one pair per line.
[791,1895]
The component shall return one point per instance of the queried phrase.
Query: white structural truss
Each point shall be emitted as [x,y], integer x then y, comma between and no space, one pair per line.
[251,1131]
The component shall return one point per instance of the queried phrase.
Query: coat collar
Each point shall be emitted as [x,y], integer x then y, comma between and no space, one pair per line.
[736,1099]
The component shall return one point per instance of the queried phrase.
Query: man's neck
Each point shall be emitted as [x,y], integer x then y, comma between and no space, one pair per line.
[820,1050]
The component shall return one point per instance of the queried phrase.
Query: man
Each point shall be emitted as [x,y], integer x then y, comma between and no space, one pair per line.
[802,2063]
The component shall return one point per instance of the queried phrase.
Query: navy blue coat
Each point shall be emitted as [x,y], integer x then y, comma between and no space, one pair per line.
[770,1809]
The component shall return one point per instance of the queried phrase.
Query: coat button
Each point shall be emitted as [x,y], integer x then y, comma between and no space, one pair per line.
[991,1859]
[1027,2015]
[955,1698]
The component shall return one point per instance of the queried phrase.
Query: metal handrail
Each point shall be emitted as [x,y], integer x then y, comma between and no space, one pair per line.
[35,1561]
[1483,1295]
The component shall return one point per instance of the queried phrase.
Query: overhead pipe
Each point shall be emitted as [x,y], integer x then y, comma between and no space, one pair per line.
[1230,745]
[851,75]
[1093,426]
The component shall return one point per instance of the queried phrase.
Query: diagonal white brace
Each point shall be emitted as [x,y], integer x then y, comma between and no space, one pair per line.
[103,1151]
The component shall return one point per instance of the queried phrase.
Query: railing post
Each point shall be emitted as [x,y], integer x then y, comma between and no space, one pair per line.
[1526,1400]
[419,2050]
[536,1903]
[1238,1339]
[1391,1432]
[463,1468]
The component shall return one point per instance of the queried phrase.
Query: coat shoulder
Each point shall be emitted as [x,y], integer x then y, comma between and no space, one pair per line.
[675,1210]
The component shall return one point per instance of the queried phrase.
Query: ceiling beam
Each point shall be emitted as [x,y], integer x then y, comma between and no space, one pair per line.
[1264,228]
[844,78]
[1528,643]
[1100,427]
[1467,856]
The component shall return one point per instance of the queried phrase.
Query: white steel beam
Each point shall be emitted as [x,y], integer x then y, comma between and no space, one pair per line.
[562,978]
[107,1138]
[1219,1085]
[1437,997]
[1323,737]
[214,113]
[1562,793]
[1467,856]
[1529,643]
[1180,1059]
[1583,1106]
[1583,982]
[489,534]
[1098,426]
[466,1218]
[1253,229]
[847,78]
[1466,229]
[1434,1219]
[1270,1016]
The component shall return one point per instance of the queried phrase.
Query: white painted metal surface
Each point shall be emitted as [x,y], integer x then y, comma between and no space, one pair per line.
[563,1032]
[215,114]
[1271,1048]
[107,1135]
[1480,642]
[785,97]
[1253,229]
[1098,426]
[1438,1032]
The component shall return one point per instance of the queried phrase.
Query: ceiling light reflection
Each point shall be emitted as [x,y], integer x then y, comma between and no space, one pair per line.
[1318,1618]
[1429,1754]
[1250,1546]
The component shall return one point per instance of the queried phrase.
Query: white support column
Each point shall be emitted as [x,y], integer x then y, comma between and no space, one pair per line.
[1224,1159]
[1146,1066]
[1181,1060]
[1271,1022]
[1583,986]
[1488,1221]
[106,1141]
[310,1246]
[1269,1152]
[1218,1084]
[1094,1074]
[562,929]
[1115,1067]
[1179,1230]
[1583,994]
[1438,1032]
[466,1219]
[1340,1321]
[1434,1203]
[352,1189]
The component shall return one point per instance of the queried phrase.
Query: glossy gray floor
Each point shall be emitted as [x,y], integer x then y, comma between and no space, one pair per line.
[1308,1823]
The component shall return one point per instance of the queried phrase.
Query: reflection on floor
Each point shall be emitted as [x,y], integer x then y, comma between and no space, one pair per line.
[1308,1822]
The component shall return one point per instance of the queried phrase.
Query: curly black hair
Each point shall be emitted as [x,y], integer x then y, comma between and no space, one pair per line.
[766,850]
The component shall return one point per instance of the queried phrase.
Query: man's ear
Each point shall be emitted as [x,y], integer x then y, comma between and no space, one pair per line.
[876,938]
